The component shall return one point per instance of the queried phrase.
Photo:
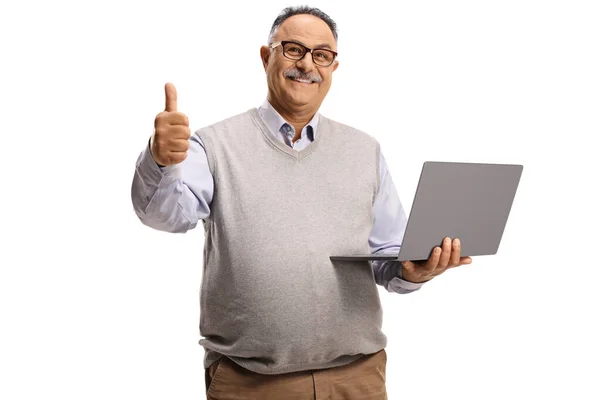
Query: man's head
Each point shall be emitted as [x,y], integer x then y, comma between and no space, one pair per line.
[300,84]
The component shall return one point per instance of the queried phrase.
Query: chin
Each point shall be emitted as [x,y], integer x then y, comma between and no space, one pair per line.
[302,101]
[301,98]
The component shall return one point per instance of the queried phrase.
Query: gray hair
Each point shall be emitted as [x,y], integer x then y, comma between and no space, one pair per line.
[291,11]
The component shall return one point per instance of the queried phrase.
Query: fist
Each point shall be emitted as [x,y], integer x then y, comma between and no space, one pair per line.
[171,139]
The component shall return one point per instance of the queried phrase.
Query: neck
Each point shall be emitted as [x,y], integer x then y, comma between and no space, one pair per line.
[297,116]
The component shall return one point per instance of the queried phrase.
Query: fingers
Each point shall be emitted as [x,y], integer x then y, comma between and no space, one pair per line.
[449,256]
[170,97]
[433,260]
[166,145]
[441,258]
[455,257]
[446,253]
[171,118]
[179,145]
[172,131]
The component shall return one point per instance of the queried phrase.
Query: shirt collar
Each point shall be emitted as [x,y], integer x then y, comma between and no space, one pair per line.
[276,123]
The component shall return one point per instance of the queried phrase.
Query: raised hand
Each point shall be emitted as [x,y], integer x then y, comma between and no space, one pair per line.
[171,139]
[441,259]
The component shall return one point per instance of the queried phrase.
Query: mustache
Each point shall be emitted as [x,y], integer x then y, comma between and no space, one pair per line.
[297,74]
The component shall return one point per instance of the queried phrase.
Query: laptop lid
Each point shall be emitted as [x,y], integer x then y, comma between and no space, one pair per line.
[471,201]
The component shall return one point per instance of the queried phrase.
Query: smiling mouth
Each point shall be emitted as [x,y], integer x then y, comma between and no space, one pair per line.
[305,81]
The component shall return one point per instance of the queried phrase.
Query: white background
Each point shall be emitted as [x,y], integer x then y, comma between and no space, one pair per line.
[95,305]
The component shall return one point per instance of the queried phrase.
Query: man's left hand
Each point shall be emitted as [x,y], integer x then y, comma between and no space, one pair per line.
[442,258]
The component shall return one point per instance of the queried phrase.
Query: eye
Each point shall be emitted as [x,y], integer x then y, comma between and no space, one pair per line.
[323,55]
[294,50]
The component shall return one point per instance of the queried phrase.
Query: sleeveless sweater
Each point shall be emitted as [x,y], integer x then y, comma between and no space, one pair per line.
[271,300]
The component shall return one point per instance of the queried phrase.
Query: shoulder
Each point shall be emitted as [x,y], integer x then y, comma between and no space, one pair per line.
[230,124]
[348,132]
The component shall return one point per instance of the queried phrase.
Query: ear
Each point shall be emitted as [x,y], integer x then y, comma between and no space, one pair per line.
[265,52]
[335,65]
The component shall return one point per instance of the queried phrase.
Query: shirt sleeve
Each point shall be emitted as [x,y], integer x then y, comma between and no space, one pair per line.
[176,197]
[389,225]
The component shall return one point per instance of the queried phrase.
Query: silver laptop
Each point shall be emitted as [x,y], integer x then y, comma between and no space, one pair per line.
[470,201]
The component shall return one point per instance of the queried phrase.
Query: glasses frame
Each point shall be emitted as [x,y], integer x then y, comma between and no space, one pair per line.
[282,43]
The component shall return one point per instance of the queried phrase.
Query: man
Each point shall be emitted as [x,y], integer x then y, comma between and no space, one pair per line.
[280,188]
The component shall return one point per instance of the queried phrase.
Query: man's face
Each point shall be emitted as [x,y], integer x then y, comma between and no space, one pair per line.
[313,33]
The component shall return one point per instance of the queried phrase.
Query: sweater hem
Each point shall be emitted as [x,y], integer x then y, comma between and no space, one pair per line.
[289,368]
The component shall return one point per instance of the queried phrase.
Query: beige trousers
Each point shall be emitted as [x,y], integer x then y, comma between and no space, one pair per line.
[363,379]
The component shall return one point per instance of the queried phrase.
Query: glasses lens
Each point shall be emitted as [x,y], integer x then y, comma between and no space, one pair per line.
[293,51]
[323,57]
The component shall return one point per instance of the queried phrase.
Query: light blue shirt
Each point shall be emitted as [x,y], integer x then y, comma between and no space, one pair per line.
[163,186]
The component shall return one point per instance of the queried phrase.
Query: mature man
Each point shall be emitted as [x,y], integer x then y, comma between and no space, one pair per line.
[280,188]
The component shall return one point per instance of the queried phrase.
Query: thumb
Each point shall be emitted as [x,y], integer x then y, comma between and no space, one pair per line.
[170,97]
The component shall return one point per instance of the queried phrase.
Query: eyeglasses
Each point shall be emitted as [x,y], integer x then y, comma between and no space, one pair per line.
[296,51]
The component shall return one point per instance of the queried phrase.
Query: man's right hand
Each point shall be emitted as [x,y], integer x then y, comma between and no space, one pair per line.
[171,139]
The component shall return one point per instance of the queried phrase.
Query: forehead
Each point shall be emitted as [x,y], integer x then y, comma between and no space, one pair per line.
[307,29]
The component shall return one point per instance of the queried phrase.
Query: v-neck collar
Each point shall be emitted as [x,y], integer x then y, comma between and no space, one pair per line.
[295,154]
[277,124]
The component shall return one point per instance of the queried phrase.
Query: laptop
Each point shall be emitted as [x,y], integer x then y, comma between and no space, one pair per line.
[471,201]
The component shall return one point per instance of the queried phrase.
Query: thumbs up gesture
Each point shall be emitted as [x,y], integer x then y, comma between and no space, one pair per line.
[171,139]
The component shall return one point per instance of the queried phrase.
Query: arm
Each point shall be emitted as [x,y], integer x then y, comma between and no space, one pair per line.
[173,198]
[389,224]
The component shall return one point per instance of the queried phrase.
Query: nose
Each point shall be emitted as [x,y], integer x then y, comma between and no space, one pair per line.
[305,63]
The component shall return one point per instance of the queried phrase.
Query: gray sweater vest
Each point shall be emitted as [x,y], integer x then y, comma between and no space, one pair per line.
[271,299]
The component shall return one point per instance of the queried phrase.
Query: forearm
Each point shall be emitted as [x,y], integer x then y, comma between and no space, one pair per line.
[389,275]
[389,222]
[162,200]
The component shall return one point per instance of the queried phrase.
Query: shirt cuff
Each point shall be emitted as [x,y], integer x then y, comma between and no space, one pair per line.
[152,173]
[404,285]
[399,283]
